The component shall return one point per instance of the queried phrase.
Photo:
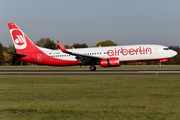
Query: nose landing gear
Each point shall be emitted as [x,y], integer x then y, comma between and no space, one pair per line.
[162,60]
[160,65]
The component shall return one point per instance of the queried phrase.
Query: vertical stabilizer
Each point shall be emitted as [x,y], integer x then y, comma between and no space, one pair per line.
[21,42]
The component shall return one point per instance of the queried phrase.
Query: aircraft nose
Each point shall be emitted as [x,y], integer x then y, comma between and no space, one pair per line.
[173,53]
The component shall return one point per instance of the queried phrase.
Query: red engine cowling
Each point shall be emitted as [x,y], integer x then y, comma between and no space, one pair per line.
[110,62]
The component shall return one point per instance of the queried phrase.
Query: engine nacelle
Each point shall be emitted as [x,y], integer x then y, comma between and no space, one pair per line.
[109,62]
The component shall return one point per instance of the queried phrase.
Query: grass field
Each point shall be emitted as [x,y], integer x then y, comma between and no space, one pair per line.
[123,67]
[85,97]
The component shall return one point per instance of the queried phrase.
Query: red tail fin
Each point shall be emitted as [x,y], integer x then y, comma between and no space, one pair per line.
[21,42]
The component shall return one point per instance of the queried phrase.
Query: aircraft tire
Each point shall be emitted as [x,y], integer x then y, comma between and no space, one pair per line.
[92,68]
[160,65]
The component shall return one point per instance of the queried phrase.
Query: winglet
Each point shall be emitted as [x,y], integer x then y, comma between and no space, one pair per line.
[61,47]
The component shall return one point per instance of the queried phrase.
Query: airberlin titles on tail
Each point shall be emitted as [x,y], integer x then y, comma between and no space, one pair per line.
[21,42]
[17,36]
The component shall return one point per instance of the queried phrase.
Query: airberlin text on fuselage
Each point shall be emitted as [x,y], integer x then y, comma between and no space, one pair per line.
[131,51]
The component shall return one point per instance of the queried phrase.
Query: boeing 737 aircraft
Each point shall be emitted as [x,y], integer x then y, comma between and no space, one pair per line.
[27,51]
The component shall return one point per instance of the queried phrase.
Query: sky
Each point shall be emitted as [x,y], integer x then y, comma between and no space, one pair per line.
[125,22]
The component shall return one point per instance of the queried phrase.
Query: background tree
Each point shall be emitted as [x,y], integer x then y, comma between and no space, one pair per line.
[7,58]
[1,55]
[12,58]
[77,45]
[174,47]
[106,43]
[50,44]
[47,43]
[67,46]
[41,42]
[11,48]
[178,57]
[5,48]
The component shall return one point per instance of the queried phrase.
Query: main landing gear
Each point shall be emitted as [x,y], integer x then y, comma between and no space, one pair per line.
[92,68]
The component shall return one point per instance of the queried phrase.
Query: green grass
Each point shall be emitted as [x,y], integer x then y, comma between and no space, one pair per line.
[125,97]
[123,67]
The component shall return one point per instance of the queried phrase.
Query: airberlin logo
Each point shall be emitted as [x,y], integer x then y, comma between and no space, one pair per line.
[19,39]
[140,50]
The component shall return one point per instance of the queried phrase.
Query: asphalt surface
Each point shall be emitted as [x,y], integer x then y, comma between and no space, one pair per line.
[85,72]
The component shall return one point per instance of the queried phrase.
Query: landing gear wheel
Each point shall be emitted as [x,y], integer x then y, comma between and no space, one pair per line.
[92,68]
[160,65]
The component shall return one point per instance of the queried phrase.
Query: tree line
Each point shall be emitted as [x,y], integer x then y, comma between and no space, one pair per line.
[8,59]
[50,44]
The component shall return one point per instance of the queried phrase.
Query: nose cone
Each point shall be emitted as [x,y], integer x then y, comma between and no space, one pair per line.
[173,53]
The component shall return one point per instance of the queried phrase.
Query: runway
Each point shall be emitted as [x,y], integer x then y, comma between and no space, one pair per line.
[86,72]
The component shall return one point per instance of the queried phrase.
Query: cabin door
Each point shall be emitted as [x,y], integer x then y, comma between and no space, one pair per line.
[39,58]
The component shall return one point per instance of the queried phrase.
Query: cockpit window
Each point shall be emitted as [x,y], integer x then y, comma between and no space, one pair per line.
[166,48]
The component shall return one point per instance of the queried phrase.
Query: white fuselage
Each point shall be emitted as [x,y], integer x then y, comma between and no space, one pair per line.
[124,53]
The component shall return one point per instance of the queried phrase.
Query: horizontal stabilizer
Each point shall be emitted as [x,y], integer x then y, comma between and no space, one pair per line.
[17,54]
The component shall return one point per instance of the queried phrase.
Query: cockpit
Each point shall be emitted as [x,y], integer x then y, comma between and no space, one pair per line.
[165,48]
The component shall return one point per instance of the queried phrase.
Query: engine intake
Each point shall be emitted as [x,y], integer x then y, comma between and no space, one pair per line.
[110,62]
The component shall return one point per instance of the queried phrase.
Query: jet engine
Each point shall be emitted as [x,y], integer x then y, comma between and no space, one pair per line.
[110,62]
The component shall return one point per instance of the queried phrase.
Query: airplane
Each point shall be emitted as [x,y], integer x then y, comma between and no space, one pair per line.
[112,56]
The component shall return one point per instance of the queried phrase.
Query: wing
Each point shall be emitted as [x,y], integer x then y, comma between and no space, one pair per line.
[85,59]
